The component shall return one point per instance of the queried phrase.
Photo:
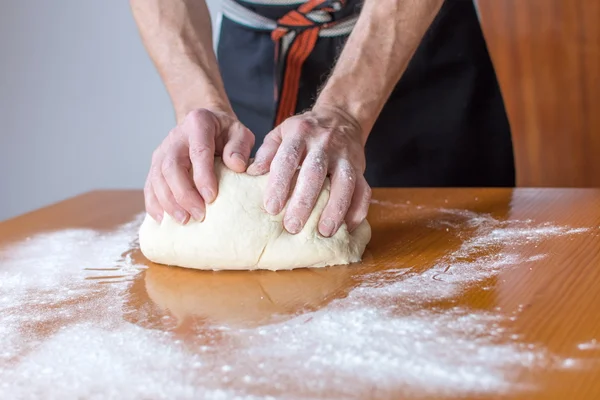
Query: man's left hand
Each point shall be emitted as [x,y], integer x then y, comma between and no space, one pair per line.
[325,142]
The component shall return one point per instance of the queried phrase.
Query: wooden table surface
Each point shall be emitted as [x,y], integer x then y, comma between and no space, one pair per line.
[473,293]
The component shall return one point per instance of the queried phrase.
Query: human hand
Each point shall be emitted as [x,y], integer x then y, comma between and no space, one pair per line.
[326,141]
[191,146]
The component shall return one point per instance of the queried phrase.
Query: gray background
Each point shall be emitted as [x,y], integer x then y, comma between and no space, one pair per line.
[81,105]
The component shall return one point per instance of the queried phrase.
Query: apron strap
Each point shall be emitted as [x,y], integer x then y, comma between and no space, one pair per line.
[295,36]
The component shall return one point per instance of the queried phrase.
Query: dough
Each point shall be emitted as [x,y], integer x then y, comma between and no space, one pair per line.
[238,234]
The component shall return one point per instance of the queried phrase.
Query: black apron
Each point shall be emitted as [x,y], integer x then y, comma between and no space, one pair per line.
[443,126]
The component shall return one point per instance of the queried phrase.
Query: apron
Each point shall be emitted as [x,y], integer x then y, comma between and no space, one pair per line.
[444,125]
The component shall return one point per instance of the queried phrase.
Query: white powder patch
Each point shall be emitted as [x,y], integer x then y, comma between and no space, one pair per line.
[46,274]
[382,340]
[389,204]
[124,362]
[593,344]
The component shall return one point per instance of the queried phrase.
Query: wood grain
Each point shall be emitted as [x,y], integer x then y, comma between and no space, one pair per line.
[470,293]
[547,57]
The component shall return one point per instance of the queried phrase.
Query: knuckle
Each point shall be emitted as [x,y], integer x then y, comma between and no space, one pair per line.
[304,203]
[168,164]
[290,156]
[341,207]
[337,218]
[300,125]
[347,173]
[173,137]
[201,118]
[287,163]
[169,204]
[184,197]
[318,163]
[273,138]
[174,141]
[198,114]
[304,125]
[199,151]
[295,148]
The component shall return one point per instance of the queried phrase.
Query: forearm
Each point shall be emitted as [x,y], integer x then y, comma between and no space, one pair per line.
[375,56]
[178,37]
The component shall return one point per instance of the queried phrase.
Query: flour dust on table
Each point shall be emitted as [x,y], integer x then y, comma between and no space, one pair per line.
[382,339]
[238,234]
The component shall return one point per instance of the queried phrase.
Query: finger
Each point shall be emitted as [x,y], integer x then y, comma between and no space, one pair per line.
[343,186]
[151,202]
[283,168]
[308,186]
[266,153]
[360,204]
[238,147]
[201,127]
[175,171]
[165,197]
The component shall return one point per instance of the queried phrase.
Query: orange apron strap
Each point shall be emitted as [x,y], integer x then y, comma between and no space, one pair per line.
[300,49]
[295,38]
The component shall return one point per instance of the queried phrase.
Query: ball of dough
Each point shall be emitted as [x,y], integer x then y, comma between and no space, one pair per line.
[238,234]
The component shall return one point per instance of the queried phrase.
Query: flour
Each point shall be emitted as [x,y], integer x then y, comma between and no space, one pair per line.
[591,345]
[382,340]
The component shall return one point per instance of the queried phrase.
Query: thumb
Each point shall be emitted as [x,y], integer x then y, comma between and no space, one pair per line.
[236,151]
[266,153]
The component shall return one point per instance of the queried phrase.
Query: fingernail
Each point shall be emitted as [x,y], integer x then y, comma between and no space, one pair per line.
[252,168]
[198,214]
[239,156]
[293,225]
[180,216]
[326,227]
[257,168]
[158,218]
[272,206]
[207,195]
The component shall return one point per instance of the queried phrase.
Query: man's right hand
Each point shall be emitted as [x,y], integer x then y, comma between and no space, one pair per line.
[191,146]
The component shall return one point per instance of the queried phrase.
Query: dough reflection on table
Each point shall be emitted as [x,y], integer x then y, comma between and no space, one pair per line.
[244,299]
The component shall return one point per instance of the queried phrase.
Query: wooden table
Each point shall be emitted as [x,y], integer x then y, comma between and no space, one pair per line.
[481,293]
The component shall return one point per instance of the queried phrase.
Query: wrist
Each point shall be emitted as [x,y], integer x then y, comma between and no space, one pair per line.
[357,111]
[216,105]
[196,88]
[329,108]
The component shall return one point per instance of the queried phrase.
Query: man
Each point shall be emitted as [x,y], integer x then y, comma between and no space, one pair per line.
[369,93]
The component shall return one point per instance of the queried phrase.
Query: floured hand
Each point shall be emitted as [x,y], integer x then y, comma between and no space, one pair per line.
[324,141]
[191,146]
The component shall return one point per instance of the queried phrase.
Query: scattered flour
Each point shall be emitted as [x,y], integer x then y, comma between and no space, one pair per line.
[382,340]
[591,345]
